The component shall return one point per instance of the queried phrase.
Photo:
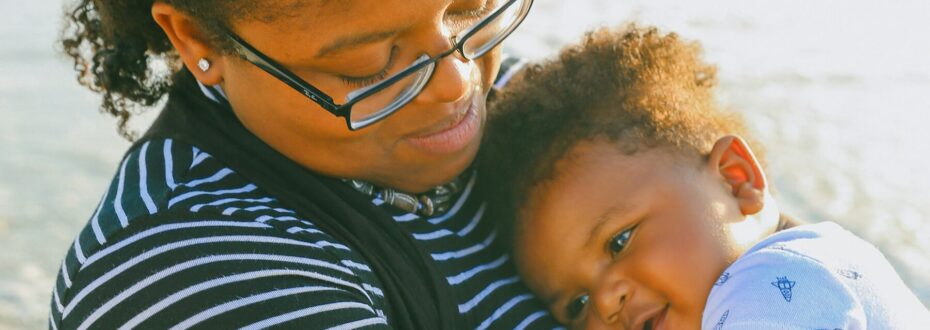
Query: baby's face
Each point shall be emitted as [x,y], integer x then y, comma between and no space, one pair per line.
[627,241]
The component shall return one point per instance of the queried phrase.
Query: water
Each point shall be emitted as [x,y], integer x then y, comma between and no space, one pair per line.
[838,90]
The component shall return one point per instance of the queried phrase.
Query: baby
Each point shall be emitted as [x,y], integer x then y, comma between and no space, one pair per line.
[641,205]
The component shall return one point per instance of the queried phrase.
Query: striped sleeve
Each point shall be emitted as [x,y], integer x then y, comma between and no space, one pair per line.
[179,241]
[160,273]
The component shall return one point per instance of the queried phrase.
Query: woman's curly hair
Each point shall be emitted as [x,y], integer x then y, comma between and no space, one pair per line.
[120,52]
[633,87]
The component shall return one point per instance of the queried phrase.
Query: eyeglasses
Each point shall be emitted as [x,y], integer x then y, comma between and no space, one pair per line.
[370,104]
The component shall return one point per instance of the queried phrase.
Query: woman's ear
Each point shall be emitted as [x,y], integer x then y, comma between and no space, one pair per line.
[733,160]
[190,41]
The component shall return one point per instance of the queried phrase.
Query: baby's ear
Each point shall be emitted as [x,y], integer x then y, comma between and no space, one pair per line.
[733,160]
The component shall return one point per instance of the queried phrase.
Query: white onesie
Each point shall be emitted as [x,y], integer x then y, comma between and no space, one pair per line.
[817,276]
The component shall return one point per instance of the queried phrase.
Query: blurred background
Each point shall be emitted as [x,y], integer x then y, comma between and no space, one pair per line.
[838,90]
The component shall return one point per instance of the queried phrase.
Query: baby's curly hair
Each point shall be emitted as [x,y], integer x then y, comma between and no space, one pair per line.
[633,87]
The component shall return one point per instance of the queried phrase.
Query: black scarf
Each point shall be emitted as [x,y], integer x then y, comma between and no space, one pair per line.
[418,297]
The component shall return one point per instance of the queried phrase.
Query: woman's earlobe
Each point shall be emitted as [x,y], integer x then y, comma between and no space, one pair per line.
[190,41]
[203,64]
[208,72]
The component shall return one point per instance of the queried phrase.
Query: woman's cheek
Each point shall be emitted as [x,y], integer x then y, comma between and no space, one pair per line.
[490,65]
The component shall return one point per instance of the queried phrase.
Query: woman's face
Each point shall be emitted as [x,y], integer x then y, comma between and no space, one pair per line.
[339,46]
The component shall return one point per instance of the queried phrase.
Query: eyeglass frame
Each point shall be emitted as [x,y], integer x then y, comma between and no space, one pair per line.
[259,59]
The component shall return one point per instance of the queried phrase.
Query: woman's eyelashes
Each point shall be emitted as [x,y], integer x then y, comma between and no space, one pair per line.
[479,12]
[620,241]
[460,20]
[359,82]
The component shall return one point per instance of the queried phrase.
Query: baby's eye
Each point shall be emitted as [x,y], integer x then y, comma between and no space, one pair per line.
[620,241]
[576,306]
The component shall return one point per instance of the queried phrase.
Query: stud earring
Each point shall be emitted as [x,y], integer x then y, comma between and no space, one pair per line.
[203,64]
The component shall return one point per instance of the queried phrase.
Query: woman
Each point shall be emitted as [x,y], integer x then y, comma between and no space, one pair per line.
[310,168]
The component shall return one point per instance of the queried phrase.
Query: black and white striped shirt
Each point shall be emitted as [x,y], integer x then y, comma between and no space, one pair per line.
[180,241]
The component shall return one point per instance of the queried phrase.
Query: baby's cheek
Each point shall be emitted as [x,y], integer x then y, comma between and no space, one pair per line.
[529,259]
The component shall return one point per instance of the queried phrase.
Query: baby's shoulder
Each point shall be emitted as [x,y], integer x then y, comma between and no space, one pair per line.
[811,277]
[780,288]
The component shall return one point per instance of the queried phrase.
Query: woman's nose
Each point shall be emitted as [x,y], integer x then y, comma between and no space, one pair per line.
[610,298]
[452,79]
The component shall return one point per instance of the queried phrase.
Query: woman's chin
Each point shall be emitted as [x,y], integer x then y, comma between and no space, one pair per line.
[439,171]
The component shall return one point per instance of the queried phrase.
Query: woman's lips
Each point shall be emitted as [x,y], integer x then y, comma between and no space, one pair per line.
[453,138]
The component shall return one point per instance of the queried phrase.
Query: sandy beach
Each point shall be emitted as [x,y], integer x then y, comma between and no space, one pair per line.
[838,90]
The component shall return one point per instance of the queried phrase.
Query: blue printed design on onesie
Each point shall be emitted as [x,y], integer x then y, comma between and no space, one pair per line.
[723,319]
[722,279]
[849,273]
[785,286]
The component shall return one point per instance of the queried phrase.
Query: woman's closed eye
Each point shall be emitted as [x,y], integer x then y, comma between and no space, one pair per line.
[486,8]
[461,20]
[359,82]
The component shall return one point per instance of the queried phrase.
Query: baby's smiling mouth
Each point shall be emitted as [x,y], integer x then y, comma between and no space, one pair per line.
[656,322]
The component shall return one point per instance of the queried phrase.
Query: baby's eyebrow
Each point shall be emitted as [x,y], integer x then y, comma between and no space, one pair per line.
[556,309]
[616,210]
[553,298]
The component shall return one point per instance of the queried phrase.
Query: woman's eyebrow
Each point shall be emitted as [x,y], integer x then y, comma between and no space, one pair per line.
[355,40]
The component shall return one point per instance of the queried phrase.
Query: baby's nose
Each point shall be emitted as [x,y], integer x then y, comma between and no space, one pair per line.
[610,299]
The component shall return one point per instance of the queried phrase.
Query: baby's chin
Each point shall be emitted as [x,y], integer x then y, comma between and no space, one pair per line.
[683,318]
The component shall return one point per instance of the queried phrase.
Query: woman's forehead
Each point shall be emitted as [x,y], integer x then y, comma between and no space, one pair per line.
[303,33]
[269,11]
[316,21]
[288,11]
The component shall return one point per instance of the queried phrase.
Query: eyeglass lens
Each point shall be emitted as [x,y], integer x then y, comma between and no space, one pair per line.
[382,103]
[376,106]
[495,31]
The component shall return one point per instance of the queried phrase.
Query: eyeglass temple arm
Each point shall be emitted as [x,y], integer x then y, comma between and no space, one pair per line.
[250,54]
